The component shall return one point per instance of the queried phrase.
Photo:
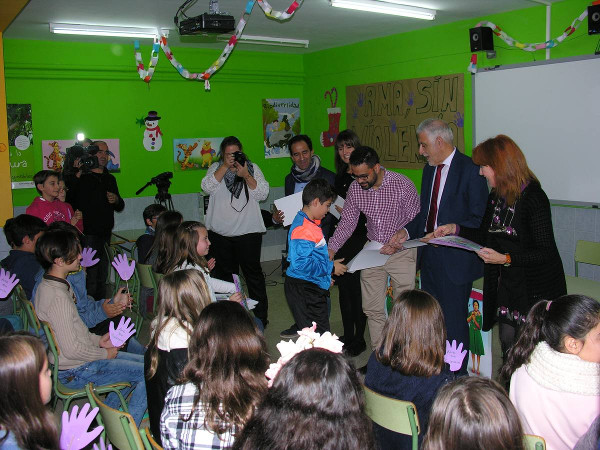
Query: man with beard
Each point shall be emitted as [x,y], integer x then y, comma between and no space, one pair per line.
[389,201]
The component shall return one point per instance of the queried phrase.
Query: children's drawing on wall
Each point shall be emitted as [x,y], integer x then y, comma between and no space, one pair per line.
[54,152]
[195,153]
[20,145]
[281,121]
[152,134]
[479,341]
[334,114]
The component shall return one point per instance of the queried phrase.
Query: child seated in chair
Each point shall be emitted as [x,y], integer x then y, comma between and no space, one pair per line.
[145,241]
[84,357]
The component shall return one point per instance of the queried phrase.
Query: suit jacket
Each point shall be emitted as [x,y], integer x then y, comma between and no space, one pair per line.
[463,202]
[328,222]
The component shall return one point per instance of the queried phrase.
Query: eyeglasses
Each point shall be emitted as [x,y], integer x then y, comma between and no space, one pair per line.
[361,177]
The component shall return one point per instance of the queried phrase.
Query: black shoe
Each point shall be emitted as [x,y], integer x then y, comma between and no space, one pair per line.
[356,348]
[290,333]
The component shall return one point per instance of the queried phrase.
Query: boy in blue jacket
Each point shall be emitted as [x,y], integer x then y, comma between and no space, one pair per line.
[308,276]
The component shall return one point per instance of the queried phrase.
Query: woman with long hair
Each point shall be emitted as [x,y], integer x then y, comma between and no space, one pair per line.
[221,384]
[554,369]
[473,413]
[182,295]
[354,319]
[316,403]
[25,388]
[522,264]
[409,363]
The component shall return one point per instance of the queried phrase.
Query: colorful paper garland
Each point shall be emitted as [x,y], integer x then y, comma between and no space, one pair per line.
[161,42]
[527,47]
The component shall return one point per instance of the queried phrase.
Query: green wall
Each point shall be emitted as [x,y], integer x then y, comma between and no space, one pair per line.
[434,51]
[94,88]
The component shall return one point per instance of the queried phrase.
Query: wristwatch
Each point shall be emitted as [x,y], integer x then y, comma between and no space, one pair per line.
[508,260]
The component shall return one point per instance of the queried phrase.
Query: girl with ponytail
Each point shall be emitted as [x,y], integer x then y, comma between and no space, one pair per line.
[554,369]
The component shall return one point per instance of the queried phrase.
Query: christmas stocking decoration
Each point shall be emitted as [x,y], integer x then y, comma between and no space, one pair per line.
[328,137]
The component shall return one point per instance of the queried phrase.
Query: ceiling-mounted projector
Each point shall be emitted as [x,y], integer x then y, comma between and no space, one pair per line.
[211,22]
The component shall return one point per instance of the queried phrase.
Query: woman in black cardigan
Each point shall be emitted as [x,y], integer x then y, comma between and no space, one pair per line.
[522,264]
[350,294]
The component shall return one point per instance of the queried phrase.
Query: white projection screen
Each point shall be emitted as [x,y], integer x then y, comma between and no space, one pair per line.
[551,109]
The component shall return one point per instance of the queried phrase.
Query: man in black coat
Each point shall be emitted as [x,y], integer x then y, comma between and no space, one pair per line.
[96,194]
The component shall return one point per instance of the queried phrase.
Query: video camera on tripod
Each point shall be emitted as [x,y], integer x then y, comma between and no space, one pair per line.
[162,182]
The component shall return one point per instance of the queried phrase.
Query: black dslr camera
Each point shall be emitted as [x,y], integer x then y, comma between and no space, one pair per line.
[87,159]
[239,158]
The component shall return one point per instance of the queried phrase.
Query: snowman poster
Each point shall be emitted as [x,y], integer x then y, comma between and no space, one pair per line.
[281,121]
[152,134]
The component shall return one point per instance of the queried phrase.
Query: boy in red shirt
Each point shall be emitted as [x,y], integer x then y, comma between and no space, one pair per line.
[47,207]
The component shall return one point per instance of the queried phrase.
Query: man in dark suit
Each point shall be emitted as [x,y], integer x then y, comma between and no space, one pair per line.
[461,192]
[306,167]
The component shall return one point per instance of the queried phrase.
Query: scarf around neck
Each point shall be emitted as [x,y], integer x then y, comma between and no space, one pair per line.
[234,183]
[563,372]
[304,176]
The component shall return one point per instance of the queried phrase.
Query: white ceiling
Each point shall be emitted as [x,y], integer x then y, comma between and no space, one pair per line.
[323,25]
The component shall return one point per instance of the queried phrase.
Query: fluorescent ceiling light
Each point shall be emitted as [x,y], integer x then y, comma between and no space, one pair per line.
[101,30]
[267,40]
[386,7]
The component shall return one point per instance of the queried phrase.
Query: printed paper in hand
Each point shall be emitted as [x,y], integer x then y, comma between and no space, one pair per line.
[368,257]
[413,243]
[456,241]
[290,206]
[339,201]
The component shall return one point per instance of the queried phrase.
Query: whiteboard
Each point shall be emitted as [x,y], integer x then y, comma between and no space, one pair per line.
[551,109]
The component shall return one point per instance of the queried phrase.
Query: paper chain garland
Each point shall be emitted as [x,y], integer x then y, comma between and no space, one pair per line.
[161,42]
[527,47]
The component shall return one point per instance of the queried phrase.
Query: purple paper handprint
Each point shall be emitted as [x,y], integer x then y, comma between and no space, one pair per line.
[393,126]
[124,331]
[74,434]
[458,120]
[454,356]
[411,98]
[360,101]
[7,282]
[102,445]
[123,267]
[355,112]
[87,257]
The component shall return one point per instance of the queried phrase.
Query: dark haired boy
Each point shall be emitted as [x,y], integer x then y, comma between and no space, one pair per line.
[145,241]
[84,357]
[47,206]
[308,276]
[22,232]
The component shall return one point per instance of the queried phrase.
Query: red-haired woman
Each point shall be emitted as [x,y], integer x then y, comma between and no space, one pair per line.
[522,264]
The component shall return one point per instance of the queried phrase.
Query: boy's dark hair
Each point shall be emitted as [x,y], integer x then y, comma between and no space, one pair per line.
[23,225]
[57,244]
[300,138]
[364,155]
[42,176]
[318,188]
[153,210]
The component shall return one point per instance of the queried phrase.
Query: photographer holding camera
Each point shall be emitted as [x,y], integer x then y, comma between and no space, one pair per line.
[234,220]
[95,193]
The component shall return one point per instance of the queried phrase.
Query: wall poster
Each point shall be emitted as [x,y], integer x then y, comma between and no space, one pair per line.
[386,115]
[281,121]
[20,145]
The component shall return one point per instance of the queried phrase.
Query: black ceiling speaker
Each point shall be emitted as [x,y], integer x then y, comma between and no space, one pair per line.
[594,19]
[481,39]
